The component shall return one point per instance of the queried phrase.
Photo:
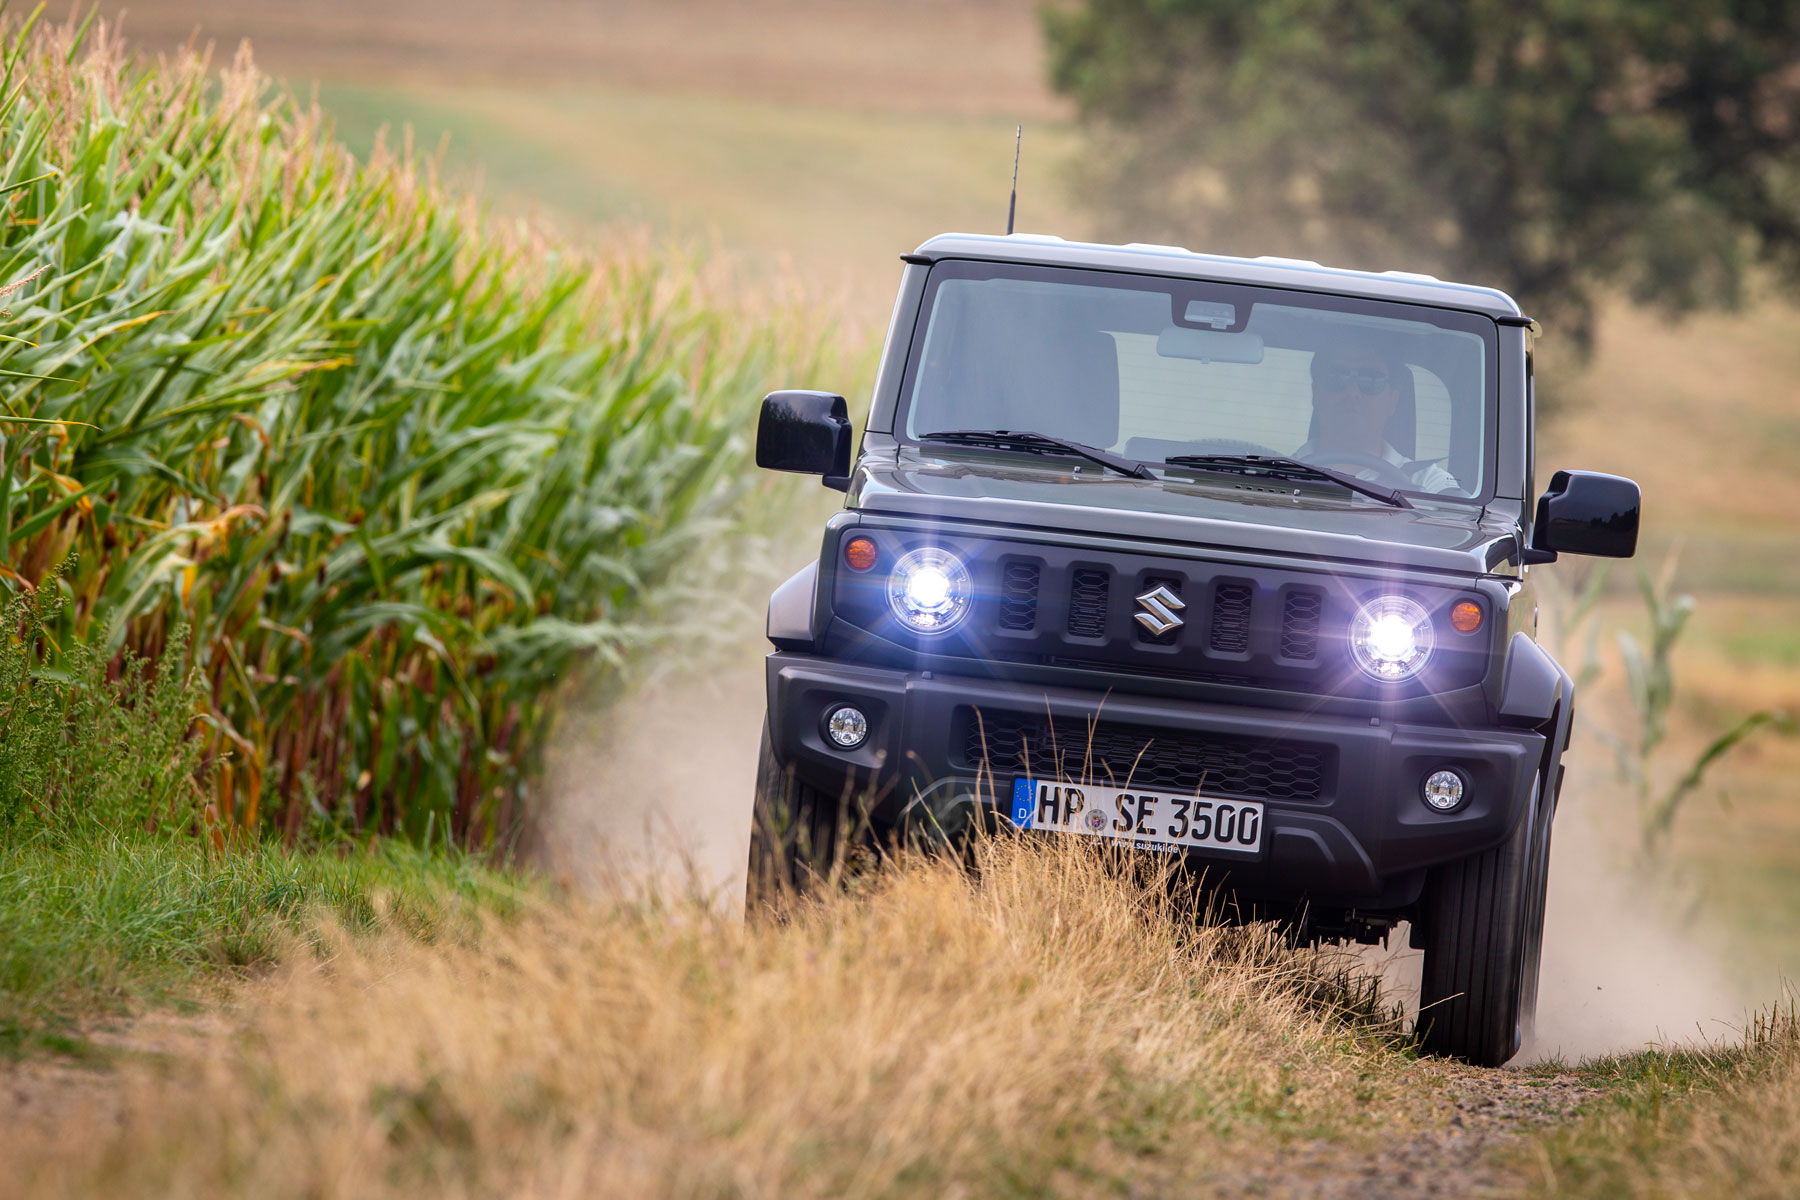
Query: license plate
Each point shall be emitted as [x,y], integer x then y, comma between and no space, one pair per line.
[1147,820]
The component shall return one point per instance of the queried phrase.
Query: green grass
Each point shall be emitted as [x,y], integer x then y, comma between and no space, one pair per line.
[99,926]
[1710,1121]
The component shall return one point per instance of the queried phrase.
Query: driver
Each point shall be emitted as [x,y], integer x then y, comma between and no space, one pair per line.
[1354,397]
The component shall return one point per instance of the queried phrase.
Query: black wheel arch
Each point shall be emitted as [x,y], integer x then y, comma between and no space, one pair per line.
[1538,693]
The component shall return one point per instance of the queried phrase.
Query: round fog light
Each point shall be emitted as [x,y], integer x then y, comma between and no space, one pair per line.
[1444,790]
[847,726]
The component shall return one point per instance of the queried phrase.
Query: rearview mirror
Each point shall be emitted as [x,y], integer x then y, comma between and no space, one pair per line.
[808,432]
[1585,512]
[1209,345]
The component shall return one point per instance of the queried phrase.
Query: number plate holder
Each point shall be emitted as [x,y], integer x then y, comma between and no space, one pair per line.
[1148,820]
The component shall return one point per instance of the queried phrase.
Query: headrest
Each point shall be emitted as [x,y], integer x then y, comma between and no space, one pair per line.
[1009,369]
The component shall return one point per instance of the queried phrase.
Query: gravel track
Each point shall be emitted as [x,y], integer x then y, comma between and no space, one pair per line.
[1492,1109]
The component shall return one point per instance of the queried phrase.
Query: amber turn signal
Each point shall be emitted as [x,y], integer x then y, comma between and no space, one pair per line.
[1465,616]
[859,552]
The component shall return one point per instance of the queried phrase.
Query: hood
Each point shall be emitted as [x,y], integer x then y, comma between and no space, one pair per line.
[1236,513]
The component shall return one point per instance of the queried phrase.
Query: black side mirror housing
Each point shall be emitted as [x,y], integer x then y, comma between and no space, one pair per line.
[808,432]
[1585,512]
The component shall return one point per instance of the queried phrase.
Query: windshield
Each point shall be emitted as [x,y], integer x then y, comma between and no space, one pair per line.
[1159,369]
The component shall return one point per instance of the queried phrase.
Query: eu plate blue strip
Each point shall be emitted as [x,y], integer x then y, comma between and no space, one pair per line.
[1021,805]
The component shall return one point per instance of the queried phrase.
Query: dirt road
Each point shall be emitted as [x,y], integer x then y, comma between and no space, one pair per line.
[1495,1111]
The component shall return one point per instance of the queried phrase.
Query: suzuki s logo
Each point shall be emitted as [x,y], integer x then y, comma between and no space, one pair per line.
[1159,605]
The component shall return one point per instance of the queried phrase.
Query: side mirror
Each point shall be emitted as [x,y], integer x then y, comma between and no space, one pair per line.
[807,432]
[1585,512]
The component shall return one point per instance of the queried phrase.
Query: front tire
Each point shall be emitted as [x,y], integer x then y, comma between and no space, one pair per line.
[1483,923]
[796,833]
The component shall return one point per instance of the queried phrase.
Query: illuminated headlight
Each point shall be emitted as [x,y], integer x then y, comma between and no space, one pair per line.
[929,590]
[1390,638]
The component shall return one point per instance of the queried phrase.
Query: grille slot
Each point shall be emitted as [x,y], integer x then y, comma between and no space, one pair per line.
[1156,759]
[1087,602]
[1231,618]
[1173,583]
[1300,624]
[1018,594]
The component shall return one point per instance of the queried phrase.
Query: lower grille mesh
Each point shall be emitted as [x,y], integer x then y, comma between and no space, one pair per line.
[1158,759]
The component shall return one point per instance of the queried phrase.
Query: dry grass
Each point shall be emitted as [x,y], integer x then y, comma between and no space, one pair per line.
[1686,1124]
[1041,1024]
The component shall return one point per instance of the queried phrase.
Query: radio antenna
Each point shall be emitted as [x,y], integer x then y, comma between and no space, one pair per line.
[1012,204]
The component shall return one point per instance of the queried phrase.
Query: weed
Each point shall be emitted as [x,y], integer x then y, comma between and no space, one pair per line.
[92,744]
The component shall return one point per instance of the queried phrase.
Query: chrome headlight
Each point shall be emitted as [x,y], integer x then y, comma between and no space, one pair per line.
[930,591]
[1391,638]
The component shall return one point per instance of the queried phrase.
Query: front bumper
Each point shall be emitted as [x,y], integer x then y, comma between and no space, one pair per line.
[1346,826]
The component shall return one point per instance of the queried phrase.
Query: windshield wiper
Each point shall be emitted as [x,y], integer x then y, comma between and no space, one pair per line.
[1278,467]
[1023,439]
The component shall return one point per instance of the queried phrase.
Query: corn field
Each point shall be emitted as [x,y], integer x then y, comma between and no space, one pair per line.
[397,466]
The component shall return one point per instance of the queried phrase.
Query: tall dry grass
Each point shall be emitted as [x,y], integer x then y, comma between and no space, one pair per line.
[1047,1022]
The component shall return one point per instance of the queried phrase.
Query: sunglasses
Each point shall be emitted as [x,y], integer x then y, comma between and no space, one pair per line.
[1370,381]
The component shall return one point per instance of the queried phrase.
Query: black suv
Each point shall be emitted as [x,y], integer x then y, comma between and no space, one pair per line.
[1221,557]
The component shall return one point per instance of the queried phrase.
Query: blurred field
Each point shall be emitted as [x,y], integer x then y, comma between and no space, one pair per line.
[817,140]
[814,140]
[822,198]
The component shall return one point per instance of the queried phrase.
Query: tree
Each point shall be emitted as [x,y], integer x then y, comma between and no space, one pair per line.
[1549,147]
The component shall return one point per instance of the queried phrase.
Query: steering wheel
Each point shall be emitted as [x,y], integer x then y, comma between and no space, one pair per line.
[1387,472]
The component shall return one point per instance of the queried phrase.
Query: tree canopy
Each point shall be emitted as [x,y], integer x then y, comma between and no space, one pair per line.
[1548,147]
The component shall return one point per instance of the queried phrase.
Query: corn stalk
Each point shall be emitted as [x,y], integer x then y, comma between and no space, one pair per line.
[1650,685]
[398,468]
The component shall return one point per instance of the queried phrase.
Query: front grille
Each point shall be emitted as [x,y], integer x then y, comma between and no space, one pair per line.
[1154,759]
[1018,594]
[1087,603]
[1231,618]
[1300,624]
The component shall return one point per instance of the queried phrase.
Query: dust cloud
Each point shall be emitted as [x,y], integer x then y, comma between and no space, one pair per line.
[1623,968]
[651,793]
